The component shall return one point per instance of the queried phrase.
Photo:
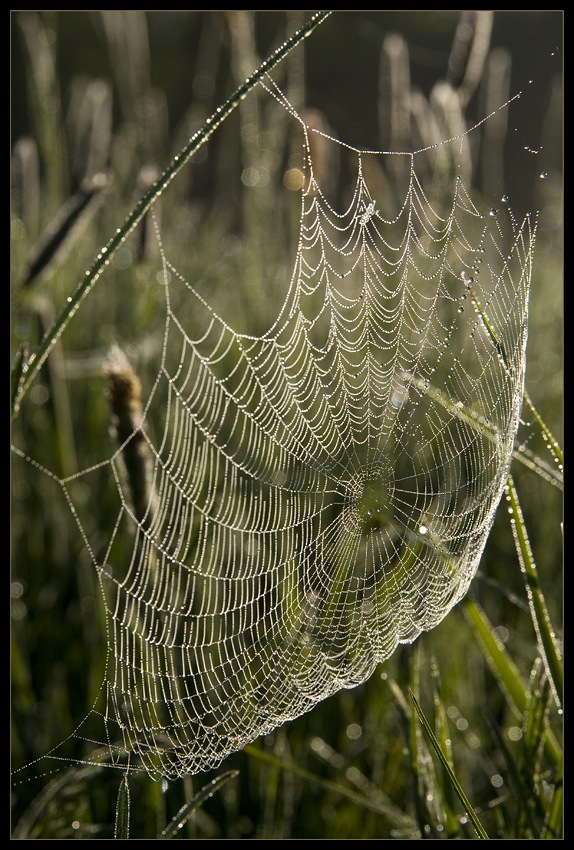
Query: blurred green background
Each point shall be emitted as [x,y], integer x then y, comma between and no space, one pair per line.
[118,94]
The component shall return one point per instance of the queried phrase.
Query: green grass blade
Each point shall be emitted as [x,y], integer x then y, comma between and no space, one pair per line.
[443,736]
[550,440]
[17,373]
[189,808]
[513,773]
[481,832]
[534,727]
[418,769]
[547,642]
[499,661]
[412,729]
[553,825]
[505,672]
[535,718]
[122,825]
[422,767]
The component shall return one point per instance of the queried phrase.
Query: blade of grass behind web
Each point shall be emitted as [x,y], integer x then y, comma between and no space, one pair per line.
[512,772]
[524,767]
[442,733]
[553,825]
[551,441]
[481,832]
[422,767]
[547,643]
[419,762]
[551,473]
[533,728]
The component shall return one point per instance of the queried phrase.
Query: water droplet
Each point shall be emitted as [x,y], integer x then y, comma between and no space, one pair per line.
[543,175]
[423,529]
[493,213]
[504,199]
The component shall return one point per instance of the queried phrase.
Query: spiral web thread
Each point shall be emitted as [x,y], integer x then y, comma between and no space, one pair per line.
[321,492]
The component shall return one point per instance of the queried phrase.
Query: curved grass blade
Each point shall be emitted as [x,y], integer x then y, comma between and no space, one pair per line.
[481,832]
[189,808]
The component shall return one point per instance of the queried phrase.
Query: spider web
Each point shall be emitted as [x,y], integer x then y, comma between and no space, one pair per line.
[320,492]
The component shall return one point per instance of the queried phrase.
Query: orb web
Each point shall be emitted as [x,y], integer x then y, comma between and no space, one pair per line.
[322,491]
